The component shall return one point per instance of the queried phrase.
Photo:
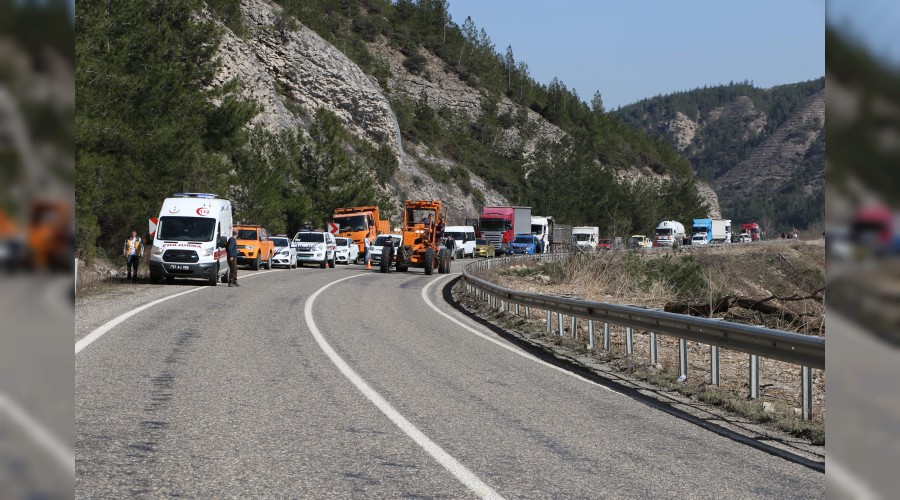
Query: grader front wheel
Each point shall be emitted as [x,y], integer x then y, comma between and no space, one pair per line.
[429,261]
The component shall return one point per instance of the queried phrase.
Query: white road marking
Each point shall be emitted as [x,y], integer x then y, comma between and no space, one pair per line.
[504,345]
[60,452]
[848,482]
[109,325]
[462,474]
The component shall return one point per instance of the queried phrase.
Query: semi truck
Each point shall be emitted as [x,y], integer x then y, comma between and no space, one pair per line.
[715,230]
[542,227]
[668,233]
[357,223]
[586,237]
[753,229]
[500,225]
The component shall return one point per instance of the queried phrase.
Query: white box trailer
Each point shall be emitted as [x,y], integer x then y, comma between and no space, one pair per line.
[721,231]
[586,237]
[190,238]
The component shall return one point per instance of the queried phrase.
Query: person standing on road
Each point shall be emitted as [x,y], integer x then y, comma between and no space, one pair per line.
[133,251]
[451,245]
[231,251]
[367,247]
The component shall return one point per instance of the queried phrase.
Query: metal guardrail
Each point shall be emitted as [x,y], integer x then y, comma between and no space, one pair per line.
[803,350]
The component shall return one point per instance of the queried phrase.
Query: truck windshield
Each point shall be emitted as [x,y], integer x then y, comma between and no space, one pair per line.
[186,229]
[582,237]
[382,240]
[247,234]
[494,224]
[351,222]
[310,237]
[698,229]
[666,231]
[537,229]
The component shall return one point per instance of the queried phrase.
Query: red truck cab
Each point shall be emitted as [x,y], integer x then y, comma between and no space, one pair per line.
[753,229]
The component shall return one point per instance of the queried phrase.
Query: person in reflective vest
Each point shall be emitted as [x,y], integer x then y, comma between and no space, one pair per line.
[133,252]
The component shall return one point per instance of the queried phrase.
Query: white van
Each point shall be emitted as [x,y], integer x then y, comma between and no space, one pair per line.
[464,238]
[190,238]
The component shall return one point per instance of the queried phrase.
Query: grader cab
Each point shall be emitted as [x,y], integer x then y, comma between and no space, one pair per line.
[423,226]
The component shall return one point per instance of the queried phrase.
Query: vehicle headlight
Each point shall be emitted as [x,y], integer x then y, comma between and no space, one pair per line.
[206,252]
[156,250]
[248,247]
[284,252]
[320,247]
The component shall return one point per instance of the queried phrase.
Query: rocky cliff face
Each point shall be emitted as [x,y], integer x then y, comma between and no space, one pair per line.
[290,71]
[737,148]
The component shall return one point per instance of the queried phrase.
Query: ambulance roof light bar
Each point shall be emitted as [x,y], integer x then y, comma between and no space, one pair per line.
[196,195]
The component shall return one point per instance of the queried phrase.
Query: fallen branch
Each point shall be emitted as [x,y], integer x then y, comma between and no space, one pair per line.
[723,304]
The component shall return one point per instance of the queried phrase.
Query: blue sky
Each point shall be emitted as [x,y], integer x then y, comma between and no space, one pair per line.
[634,49]
[873,22]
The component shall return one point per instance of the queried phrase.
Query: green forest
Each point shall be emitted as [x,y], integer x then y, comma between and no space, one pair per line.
[146,126]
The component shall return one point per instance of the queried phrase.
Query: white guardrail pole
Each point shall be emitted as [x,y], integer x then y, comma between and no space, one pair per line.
[804,350]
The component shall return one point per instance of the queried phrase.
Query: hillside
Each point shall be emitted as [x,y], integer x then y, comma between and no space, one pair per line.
[294,110]
[762,150]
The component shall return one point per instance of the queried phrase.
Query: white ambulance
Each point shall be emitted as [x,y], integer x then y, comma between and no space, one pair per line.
[190,238]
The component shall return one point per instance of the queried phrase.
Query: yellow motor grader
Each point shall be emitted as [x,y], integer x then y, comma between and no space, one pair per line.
[423,227]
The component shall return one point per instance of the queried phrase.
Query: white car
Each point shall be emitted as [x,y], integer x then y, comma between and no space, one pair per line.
[745,238]
[285,253]
[379,243]
[315,247]
[347,251]
[699,239]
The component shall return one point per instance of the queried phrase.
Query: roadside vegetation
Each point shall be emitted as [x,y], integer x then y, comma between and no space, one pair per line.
[785,270]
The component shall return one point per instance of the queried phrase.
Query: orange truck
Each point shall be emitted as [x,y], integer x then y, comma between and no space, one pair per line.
[254,246]
[357,223]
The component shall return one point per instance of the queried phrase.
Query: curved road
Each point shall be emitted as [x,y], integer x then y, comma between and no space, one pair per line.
[350,383]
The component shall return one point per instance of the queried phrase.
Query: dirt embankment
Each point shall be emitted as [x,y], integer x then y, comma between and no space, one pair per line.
[787,277]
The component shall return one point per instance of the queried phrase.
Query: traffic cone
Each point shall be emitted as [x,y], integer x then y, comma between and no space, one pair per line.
[368,264]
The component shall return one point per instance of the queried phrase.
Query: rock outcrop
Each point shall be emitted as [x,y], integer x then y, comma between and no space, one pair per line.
[290,71]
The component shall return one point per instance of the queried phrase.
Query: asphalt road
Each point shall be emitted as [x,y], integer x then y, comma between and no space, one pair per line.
[864,411]
[237,392]
[36,389]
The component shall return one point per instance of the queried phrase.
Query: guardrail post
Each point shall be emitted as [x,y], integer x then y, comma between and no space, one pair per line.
[605,336]
[807,392]
[549,323]
[527,312]
[590,334]
[654,352]
[574,328]
[683,358]
[629,341]
[562,325]
[517,309]
[714,364]
[754,376]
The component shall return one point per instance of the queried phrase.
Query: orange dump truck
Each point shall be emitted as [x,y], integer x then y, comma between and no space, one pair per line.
[358,222]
